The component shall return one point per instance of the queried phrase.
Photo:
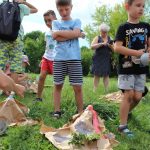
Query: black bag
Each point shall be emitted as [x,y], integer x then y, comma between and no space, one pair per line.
[9,20]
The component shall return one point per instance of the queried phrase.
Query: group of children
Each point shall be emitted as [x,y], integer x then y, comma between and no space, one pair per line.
[62,57]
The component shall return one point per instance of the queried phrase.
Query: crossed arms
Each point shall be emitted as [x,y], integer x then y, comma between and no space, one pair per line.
[64,35]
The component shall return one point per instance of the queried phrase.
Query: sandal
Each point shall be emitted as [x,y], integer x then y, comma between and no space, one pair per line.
[56,114]
[145,91]
[38,100]
[124,130]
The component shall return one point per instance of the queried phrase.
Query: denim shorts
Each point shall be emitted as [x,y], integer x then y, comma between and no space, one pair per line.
[132,82]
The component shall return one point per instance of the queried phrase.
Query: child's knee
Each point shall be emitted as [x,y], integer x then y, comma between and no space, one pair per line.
[137,98]
[42,77]
[129,95]
[58,87]
[77,89]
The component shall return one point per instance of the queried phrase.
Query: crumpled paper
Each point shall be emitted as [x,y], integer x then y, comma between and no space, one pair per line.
[15,113]
[115,97]
[83,124]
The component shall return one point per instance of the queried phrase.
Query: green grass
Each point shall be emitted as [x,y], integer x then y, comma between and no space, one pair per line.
[29,138]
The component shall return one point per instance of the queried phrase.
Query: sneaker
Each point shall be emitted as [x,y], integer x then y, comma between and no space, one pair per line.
[145,91]
[38,100]
[124,130]
[56,114]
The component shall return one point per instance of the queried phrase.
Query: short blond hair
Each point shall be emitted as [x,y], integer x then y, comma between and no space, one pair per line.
[104,27]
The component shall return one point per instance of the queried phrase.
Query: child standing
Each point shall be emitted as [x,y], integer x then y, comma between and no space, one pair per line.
[67,60]
[48,57]
[132,40]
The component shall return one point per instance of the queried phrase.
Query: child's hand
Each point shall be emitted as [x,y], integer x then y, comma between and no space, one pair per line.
[82,35]
[77,33]
[140,52]
[148,50]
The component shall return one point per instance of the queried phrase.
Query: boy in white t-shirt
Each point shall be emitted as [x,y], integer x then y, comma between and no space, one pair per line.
[48,57]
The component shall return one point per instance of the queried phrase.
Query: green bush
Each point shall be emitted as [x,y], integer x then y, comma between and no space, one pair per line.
[86,57]
[34,47]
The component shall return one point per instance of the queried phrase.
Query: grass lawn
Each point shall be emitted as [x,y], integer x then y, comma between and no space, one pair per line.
[29,138]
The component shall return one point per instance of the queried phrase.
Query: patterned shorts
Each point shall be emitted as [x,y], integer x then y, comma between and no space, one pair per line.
[72,68]
[11,52]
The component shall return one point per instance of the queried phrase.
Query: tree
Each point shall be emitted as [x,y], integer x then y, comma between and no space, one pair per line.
[102,14]
[34,48]
[86,58]
[111,16]
[147,11]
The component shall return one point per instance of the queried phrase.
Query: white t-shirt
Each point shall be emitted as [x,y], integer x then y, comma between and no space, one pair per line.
[50,44]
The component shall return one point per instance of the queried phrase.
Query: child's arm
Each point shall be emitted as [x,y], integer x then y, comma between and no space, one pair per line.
[120,39]
[148,49]
[32,8]
[95,44]
[61,38]
[66,34]
[7,84]
[119,48]
[63,35]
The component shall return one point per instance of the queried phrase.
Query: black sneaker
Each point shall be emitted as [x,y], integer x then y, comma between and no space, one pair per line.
[145,91]
[56,114]
[38,100]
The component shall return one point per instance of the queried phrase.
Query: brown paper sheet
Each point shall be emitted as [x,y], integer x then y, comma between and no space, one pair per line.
[81,123]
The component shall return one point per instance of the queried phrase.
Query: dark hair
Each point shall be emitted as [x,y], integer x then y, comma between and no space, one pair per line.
[63,2]
[129,1]
[49,12]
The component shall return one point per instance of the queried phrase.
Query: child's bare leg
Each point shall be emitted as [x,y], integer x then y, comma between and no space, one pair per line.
[125,106]
[96,82]
[106,82]
[42,78]
[136,99]
[78,97]
[57,97]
